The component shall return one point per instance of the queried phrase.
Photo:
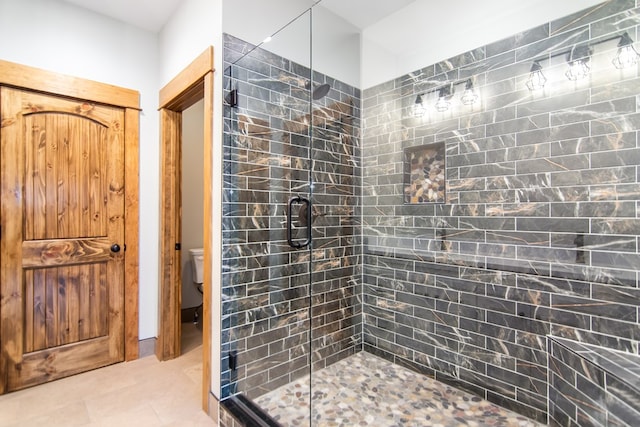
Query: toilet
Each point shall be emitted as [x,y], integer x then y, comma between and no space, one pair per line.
[197,256]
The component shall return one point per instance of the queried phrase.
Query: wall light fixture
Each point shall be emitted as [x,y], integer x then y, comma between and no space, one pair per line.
[578,60]
[536,77]
[469,97]
[445,97]
[627,55]
[579,57]
[419,108]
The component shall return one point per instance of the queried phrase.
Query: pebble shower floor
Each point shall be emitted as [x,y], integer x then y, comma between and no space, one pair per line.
[364,390]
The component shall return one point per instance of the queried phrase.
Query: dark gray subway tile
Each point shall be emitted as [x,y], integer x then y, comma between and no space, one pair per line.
[518,40]
[553,164]
[607,143]
[590,15]
[595,111]
[518,125]
[561,107]
[616,89]
[615,125]
[553,45]
[594,209]
[616,24]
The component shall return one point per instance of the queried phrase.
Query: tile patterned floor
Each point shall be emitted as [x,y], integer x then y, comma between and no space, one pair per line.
[144,392]
[364,390]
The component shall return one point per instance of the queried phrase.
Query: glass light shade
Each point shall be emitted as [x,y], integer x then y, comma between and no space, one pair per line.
[419,109]
[469,97]
[442,104]
[578,70]
[536,80]
[626,57]
[578,60]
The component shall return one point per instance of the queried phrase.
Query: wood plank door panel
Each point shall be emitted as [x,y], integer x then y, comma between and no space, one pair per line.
[63,201]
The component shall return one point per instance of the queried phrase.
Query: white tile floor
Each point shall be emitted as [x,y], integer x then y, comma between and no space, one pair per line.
[144,392]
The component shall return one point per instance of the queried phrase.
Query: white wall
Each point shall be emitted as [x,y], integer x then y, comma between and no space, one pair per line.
[254,20]
[336,43]
[193,27]
[192,203]
[196,25]
[60,37]
[336,47]
[426,32]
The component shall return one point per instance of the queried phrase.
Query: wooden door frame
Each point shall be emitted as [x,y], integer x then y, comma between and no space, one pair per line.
[48,82]
[191,85]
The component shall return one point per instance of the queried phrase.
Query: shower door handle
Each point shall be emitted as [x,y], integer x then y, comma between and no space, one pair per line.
[307,203]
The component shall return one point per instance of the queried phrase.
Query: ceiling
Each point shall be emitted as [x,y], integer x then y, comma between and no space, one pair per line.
[151,15]
[364,13]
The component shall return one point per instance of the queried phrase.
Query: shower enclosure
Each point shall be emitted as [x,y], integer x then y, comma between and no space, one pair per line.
[479,242]
[290,234]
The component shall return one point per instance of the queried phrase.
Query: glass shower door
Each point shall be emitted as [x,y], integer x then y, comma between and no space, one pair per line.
[291,241]
[336,285]
[267,216]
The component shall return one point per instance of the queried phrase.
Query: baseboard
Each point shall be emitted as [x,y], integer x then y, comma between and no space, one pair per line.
[147,347]
[187,314]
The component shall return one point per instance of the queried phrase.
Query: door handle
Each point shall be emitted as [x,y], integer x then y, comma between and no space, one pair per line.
[115,247]
[307,203]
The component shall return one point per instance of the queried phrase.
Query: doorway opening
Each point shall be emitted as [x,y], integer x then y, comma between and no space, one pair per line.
[191,85]
[191,239]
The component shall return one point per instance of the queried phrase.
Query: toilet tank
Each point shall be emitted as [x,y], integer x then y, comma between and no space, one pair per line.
[197,256]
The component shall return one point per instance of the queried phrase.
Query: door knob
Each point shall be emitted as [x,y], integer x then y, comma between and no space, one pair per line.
[115,247]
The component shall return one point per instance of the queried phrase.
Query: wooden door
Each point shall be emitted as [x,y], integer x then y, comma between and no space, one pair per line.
[62,215]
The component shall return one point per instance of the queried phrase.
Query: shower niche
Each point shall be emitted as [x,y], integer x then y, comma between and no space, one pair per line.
[424,174]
